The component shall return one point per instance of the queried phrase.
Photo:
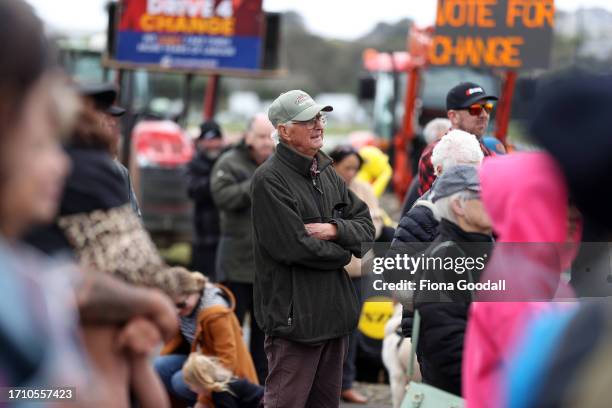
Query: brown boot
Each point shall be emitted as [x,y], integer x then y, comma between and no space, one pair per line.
[353,396]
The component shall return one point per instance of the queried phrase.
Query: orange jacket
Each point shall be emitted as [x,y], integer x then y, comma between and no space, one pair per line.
[218,334]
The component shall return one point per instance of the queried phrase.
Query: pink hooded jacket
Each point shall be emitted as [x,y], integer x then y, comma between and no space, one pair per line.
[526,198]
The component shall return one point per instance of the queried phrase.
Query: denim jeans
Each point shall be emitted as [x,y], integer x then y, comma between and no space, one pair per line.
[170,371]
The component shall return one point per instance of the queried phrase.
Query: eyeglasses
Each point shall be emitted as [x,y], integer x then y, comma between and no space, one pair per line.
[310,124]
[476,109]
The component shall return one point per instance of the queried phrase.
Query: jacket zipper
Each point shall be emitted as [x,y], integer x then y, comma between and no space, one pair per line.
[317,197]
[290,317]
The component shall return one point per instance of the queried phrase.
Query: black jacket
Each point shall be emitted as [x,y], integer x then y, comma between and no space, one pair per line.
[206,215]
[416,230]
[419,224]
[125,174]
[301,291]
[411,196]
[230,185]
[443,322]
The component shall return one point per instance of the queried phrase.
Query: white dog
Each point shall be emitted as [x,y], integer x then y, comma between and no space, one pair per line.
[396,357]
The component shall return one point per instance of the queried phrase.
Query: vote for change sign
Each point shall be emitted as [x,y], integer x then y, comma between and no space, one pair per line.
[190,34]
[513,34]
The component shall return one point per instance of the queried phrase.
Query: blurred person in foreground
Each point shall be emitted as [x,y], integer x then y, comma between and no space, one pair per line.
[307,224]
[209,146]
[232,176]
[464,233]
[468,107]
[433,131]
[40,346]
[99,229]
[103,96]
[563,357]
[527,200]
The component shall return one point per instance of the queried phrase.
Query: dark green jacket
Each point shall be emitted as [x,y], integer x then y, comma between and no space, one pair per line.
[230,186]
[301,291]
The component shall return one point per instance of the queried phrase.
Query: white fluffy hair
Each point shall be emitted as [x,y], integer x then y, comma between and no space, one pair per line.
[275,135]
[435,128]
[456,147]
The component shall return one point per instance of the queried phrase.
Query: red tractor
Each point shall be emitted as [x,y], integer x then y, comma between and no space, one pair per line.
[160,152]
[407,92]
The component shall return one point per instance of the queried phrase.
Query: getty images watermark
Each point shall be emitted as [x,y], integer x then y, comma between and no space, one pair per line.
[429,268]
[513,272]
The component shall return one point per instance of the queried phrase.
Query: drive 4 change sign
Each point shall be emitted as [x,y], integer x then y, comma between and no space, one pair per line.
[190,34]
[513,34]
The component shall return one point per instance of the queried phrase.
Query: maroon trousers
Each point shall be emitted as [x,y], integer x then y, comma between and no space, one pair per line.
[304,375]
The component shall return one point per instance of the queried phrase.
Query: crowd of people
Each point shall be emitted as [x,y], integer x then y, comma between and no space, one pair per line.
[87,300]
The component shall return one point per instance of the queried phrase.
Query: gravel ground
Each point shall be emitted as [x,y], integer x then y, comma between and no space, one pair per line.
[379,395]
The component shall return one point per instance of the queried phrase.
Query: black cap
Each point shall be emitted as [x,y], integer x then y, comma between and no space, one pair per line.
[210,130]
[104,95]
[466,94]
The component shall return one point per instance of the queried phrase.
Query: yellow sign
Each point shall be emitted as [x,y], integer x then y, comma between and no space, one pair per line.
[375,313]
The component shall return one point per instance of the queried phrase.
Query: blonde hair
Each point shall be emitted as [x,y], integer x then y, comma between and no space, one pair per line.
[206,372]
[187,282]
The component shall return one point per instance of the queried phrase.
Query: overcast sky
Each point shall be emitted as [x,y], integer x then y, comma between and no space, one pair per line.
[332,18]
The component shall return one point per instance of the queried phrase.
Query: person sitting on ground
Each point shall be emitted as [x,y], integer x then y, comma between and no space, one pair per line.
[205,374]
[208,324]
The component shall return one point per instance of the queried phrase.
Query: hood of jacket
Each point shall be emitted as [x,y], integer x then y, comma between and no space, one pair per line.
[95,183]
[526,197]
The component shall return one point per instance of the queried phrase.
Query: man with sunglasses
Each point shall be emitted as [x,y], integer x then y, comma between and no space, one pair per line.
[306,227]
[468,108]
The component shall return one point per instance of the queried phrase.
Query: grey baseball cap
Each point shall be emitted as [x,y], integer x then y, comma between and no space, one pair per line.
[294,105]
[457,178]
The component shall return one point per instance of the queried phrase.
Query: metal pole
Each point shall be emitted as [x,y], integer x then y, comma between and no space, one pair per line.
[186,99]
[126,96]
[504,107]
[210,96]
[402,171]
